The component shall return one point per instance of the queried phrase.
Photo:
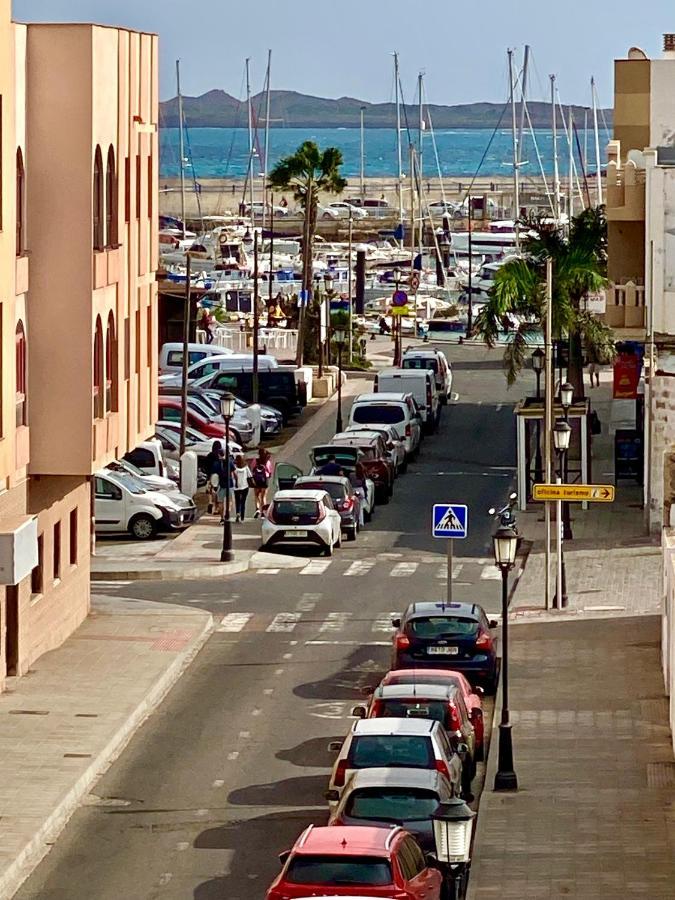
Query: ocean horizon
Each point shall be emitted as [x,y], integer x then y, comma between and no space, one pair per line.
[224,152]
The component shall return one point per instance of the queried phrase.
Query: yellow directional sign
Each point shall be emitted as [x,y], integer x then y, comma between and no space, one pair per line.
[592,493]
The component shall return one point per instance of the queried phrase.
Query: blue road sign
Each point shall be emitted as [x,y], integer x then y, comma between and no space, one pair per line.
[450,520]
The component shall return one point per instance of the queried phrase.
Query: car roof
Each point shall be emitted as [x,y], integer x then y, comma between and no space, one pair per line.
[414,691]
[424,676]
[373,433]
[324,479]
[393,726]
[440,608]
[299,495]
[357,436]
[345,839]
[385,776]
[384,397]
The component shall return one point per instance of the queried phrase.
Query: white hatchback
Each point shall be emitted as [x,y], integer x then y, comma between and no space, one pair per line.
[302,517]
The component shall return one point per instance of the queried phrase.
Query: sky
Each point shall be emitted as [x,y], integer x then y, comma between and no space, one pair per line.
[344,49]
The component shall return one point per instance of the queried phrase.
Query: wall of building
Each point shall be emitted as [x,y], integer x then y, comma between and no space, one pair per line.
[626,259]
[660,473]
[632,85]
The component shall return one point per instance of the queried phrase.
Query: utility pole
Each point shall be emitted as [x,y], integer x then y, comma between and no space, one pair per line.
[250,136]
[420,89]
[186,354]
[349,277]
[548,419]
[267,141]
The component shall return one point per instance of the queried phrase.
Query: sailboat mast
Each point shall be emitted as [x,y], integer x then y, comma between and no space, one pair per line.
[267,139]
[250,134]
[598,173]
[570,172]
[556,173]
[363,158]
[523,101]
[181,145]
[421,130]
[514,135]
[398,141]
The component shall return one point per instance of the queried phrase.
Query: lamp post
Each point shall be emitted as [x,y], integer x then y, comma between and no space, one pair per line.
[328,284]
[561,440]
[538,363]
[339,334]
[396,323]
[453,826]
[317,292]
[566,398]
[505,542]
[227,403]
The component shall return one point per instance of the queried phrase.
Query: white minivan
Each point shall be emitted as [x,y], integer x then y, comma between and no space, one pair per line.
[121,504]
[436,361]
[171,355]
[395,409]
[421,383]
[234,362]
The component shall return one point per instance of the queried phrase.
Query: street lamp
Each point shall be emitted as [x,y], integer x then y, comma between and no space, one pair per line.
[453,827]
[505,542]
[538,363]
[317,293]
[339,334]
[227,405]
[328,284]
[396,323]
[562,433]
[566,398]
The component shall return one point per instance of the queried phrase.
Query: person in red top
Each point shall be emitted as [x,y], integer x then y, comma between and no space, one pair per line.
[261,473]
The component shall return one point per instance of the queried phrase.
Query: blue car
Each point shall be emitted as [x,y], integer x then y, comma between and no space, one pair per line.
[439,635]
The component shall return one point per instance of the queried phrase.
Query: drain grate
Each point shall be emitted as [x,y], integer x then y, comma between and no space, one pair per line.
[77,755]
[29,712]
[661,774]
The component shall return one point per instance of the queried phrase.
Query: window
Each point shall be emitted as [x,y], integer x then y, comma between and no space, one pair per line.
[138,341]
[20,338]
[148,336]
[397,750]
[127,348]
[56,552]
[138,186]
[106,490]
[127,190]
[98,238]
[72,536]
[20,202]
[98,371]
[142,459]
[150,189]
[342,870]
[36,574]
[111,366]
[111,200]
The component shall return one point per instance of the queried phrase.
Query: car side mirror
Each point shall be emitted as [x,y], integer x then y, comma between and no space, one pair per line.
[283,857]
[359,712]
[396,623]
[332,796]
[335,746]
[493,623]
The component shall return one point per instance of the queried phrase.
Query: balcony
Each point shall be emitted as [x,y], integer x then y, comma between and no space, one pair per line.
[625,307]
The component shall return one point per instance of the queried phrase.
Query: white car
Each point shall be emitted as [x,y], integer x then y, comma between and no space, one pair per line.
[302,517]
[168,433]
[151,482]
[121,504]
[443,208]
[394,409]
[322,212]
[394,441]
[345,209]
[279,212]
[427,358]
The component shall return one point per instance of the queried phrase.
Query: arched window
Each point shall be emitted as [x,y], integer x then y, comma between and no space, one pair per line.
[20,338]
[98,200]
[98,370]
[20,203]
[111,366]
[111,200]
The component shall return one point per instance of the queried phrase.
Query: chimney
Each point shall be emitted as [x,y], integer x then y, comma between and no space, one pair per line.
[669,46]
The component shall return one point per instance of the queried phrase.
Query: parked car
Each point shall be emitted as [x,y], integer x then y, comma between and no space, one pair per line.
[171,356]
[345,210]
[345,499]
[356,861]
[396,409]
[442,702]
[170,410]
[241,427]
[393,442]
[149,458]
[421,384]
[150,482]
[276,388]
[302,517]
[433,634]
[257,209]
[435,361]
[230,362]
[472,696]
[121,504]
[168,434]
[385,797]
[441,208]
[347,457]
[375,459]
[396,743]
[271,421]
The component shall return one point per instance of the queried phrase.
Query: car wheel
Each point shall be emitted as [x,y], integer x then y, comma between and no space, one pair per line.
[328,550]
[338,542]
[353,531]
[326,216]
[143,527]
[480,753]
[383,496]
[492,685]
[236,436]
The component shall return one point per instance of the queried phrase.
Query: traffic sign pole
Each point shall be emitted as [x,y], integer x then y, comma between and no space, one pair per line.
[450,548]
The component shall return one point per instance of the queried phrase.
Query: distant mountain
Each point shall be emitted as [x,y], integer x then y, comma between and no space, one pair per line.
[289,109]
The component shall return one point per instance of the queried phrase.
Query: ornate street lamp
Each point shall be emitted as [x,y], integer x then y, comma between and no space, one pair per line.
[566,399]
[562,432]
[339,335]
[453,828]
[396,323]
[505,544]
[227,407]
[538,363]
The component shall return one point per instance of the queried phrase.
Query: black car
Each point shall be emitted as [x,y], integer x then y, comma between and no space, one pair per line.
[276,387]
[447,636]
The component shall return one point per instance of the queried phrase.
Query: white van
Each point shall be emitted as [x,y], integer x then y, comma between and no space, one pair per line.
[395,409]
[435,360]
[421,383]
[150,459]
[234,362]
[171,355]
[121,504]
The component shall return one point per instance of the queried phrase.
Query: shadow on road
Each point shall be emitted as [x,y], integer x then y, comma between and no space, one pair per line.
[313,753]
[307,791]
[362,672]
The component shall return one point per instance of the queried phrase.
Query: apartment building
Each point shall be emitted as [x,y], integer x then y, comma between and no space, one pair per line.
[78,255]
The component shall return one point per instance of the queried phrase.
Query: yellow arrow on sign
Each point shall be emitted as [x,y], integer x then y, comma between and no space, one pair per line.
[593,493]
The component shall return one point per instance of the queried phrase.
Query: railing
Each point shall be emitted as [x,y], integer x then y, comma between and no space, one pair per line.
[285,339]
[629,294]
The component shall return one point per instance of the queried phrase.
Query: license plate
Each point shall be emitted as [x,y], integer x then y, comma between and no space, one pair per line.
[443,651]
[298,533]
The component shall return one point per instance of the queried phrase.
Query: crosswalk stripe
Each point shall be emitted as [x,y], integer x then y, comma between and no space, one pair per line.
[442,573]
[285,621]
[316,567]
[360,567]
[267,571]
[307,602]
[234,622]
[490,573]
[404,569]
[335,621]
[383,622]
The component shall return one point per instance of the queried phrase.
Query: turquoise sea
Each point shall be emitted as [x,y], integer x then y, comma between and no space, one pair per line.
[223,152]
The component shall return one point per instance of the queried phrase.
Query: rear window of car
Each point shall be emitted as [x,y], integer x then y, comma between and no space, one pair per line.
[442,626]
[339,870]
[412,709]
[399,750]
[392,804]
[337,491]
[373,412]
[420,362]
[175,357]
[296,507]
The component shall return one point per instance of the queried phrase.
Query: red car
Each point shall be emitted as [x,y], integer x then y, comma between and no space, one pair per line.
[170,410]
[356,861]
[376,460]
[472,699]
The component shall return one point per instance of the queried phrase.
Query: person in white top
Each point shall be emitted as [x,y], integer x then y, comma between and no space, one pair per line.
[241,475]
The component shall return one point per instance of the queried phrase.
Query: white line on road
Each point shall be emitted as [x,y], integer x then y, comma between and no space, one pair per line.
[360,567]
[316,567]
[285,621]
[335,621]
[233,622]
[404,569]
[490,573]
[233,755]
[278,672]
[268,691]
[442,573]
[348,643]
[218,783]
[383,622]
[267,571]
[244,735]
[307,602]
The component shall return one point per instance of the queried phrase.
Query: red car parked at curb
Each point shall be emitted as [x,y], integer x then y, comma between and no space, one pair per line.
[170,409]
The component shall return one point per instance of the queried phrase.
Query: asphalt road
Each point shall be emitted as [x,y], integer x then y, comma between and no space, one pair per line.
[234,763]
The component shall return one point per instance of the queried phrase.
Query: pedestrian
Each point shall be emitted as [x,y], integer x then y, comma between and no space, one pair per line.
[330,467]
[261,472]
[225,469]
[243,479]
[211,468]
[593,367]
[358,482]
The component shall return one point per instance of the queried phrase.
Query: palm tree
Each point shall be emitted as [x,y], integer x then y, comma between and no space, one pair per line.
[579,268]
[308,171]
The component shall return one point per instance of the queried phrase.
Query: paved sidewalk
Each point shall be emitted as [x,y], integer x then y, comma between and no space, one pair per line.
[72,714]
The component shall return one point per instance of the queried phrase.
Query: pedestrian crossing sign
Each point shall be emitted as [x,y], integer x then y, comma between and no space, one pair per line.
[450,520]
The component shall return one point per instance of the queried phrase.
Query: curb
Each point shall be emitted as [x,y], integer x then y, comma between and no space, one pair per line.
[180,573]
[40,844]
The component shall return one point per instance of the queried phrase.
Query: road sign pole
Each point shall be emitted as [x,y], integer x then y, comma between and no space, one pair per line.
[450,548]
[557,600]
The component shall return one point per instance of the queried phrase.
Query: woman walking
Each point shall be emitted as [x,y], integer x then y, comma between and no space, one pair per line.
[243,478]
[261,472]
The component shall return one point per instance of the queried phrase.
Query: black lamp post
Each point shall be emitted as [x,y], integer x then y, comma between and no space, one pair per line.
[566,398]
[227,404]
[453,827]
[561,441]
[318,299]
[328,284]
[505,542]
[538,363]
[339,334]
[396,323]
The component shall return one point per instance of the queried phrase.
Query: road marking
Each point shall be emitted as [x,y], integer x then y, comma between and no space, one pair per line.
[234,622]
[404,569]
[233,755]
[316,567]
[218,783]
[256,712]
[490,573]
[335,621]
[360,567]
[307,602]
[267,571]
[268,691]
[288,656]
[383,622]
[442,573]
[348,643]
[244,735]
[278,671]
[285,621]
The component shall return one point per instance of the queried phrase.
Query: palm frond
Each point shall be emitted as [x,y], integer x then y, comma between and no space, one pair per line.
[517,351]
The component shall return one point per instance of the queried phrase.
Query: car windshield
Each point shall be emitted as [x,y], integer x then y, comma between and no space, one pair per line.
[377,412]
[398,750]
[338,870]
[412,709]
[442,626]
[392,804]
[130,482]
[420,362]
[335,489]
[295,507]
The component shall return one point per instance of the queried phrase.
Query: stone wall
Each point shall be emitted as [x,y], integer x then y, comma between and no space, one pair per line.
[661,450]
